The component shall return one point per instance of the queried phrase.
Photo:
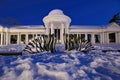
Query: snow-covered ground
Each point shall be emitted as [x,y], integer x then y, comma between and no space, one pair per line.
[69,65]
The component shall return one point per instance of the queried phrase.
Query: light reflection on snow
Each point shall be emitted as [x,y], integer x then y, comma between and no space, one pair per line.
[94,65]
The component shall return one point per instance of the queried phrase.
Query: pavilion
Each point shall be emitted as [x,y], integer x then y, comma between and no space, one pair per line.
[56,22]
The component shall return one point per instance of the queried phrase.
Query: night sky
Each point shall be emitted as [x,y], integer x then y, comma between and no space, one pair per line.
[82,12]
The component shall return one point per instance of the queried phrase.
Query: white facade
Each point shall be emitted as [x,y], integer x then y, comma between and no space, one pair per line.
[57,23]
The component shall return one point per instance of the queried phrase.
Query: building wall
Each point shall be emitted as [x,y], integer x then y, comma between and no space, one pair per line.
[103,34]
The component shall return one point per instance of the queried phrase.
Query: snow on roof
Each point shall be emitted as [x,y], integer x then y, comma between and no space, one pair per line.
[28,26]
[86,26]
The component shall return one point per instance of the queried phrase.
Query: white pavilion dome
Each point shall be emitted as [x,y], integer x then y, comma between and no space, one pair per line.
[56,15]
[56,12]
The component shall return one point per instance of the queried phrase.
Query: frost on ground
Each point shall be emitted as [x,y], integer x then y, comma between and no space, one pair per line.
[73,65]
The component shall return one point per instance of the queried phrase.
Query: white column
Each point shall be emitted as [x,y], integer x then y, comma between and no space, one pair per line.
[67,30]
[36,35]
[47,31]
[86,38]
[26,38]
[4,40]
[52,29]
[106,37]
[1,38]
[93,38]
[33,36]
[7,38]
[18,38]
[77,35]
[62,32]
[101,38]
[117,37]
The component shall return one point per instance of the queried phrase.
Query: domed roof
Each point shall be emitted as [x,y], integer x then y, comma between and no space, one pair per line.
[56,15]
[56,12]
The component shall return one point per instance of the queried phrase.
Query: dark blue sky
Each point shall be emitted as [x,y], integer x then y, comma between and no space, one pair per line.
[82,12]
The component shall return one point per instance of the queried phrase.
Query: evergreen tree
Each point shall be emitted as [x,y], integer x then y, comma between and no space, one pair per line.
[115,18]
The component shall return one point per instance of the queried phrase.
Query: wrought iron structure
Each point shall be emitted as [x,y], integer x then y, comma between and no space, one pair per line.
[48,42]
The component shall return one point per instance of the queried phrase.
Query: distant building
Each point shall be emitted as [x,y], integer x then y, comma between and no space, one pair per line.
[57,23]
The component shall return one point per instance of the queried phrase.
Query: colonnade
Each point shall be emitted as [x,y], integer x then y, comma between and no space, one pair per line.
[5,38]
[85,37]
[103,37]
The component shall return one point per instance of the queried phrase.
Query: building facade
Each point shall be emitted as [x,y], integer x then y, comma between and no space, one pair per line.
[56,22]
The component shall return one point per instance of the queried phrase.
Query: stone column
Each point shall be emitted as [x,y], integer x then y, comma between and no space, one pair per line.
[117,37]
[26,38]
[7,38]
[52,29]
[35,35]
[18,38]
[101,38]
[67,30]
[1,38]
[62,32]
[93,38]
[86,38]
[106,37]
[47,30]
[4,40]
